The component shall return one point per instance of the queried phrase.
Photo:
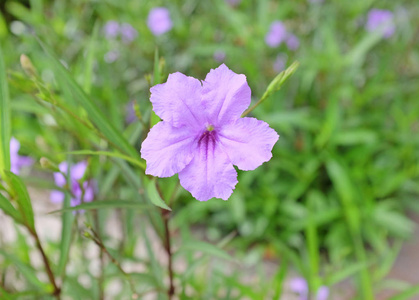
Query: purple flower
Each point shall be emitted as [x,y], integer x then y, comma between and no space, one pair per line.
[276,35]
[279,63]
[17,162]
[292,42]
[202,135]
[128,33]
[219,55]
[233,2]
[299,286]
[111,56]
[111,29]
[159,20]
[75,175]
[380,20]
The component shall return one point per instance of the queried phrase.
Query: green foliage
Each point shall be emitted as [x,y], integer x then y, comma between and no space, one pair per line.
[330,205]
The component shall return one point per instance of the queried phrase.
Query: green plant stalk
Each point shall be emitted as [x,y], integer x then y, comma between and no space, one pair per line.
[5,123]
[274,86]
[313,251]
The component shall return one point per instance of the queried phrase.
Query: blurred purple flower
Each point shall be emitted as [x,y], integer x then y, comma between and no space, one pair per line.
[17,162]
[159,20]
[202,134]
[276,35]
[111,56]
[233,2]
[130,116]
[128,33]
[75,175]
[111,29]
[292,42]
[219,55]
[279,63]
[299,286]
[380,20]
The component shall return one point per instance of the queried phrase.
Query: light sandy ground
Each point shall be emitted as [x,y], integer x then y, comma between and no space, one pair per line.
[49,229]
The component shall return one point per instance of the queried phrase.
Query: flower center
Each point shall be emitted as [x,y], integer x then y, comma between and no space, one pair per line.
[210,127]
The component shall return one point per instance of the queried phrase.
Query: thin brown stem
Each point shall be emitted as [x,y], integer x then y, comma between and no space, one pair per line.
[57,291]
[167,246]
[100,244]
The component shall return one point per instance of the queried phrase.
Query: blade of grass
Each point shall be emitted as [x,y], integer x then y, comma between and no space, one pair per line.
[22,198]
[87,80]
[9,209]
[343,185]
[134,161]
[97,117]
[407,294]
[106,204]
[66,237]
[5,123]
[275,85]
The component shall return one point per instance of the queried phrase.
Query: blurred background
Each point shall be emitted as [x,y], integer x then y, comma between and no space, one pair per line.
[332,213]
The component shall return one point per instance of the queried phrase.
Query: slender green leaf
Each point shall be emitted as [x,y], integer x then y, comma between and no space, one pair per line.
[67,220]
[347,272]
[28,272]
[22,198]
[87,80]
[275,85]
[98,118]
[9,209]
[105,205]
[206,248]
[5,123]
[407,294]
[134,161]
[153,193]
[154,119]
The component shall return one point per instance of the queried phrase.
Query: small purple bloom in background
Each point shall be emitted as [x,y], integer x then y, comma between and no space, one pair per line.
[233,2]
[380,20]
[159,21]
[128,33]
[299,286]
[111,29]
[219,55]
[279,63]
[202,134]
[130,116]
[17,162]
[276,35]
[111,56]
[75,175]
[292,42]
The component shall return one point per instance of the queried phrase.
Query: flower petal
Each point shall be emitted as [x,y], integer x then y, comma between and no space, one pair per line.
[59,179]
[178,101]
[167,149]
[210,173]
[77,171]
[225,96]
[57,196]
[248,142]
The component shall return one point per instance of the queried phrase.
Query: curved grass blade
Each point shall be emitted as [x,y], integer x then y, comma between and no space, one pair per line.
[5,123]
[105,205]
[98,118]
[22,198]
[134,161]
[9,209]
